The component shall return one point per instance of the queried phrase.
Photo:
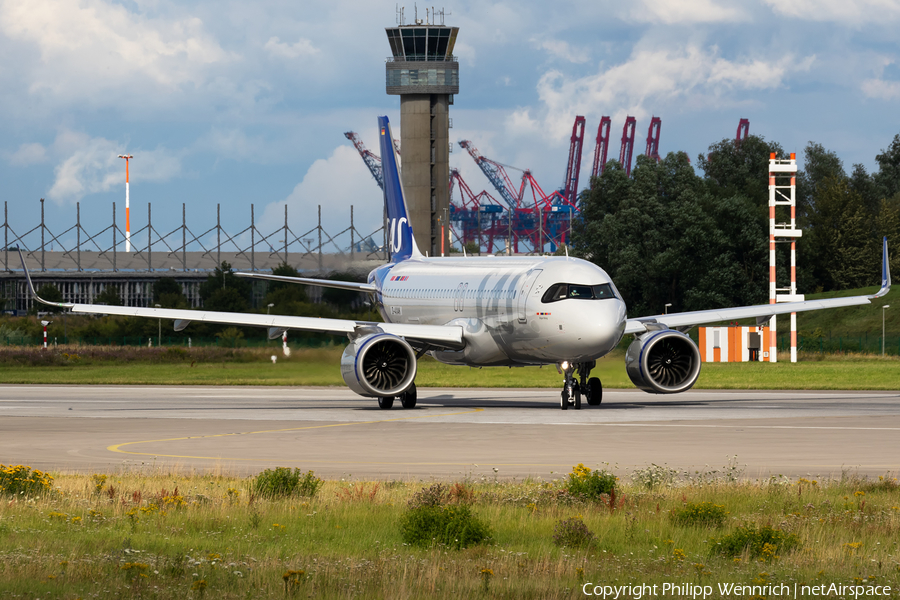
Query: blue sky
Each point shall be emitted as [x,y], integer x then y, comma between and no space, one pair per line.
[241,103]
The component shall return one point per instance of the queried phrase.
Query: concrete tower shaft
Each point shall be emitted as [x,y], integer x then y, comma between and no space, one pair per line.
[425,74]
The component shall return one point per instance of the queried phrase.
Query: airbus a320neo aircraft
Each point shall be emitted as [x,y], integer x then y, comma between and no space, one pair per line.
[492,311]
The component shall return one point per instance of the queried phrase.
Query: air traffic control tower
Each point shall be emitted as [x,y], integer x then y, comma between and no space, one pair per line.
[425,74]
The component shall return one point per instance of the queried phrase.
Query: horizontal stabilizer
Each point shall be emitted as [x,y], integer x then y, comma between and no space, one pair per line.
[341,285]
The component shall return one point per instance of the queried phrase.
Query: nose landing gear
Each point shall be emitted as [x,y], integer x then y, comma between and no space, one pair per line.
[577,383]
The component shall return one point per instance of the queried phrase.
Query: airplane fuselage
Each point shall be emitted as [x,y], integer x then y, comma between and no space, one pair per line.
[512,309]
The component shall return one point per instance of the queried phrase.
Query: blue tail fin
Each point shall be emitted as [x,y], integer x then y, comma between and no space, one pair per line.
[400,234]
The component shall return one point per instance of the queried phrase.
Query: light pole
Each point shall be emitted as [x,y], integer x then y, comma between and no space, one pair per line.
[883,308]
[269,307]
[666,308]
[159,336]
[127,158]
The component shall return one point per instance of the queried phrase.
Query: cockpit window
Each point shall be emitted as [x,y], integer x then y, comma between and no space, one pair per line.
[561,291]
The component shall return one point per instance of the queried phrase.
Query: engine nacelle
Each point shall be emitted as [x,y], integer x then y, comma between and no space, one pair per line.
[378,365]
[663,362]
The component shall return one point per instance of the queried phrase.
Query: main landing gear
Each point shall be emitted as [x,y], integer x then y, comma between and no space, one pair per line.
[407,399]
[578,383]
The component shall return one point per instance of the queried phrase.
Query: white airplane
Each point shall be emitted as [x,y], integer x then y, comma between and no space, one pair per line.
[491,311]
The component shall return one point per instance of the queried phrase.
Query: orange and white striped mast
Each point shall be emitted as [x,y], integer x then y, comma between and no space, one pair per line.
[783,192]
[127,158]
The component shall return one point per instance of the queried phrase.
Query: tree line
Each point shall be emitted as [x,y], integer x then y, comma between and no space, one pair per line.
[668,235]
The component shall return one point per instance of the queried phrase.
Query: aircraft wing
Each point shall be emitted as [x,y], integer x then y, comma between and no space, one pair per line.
[761,313]
[435,335]
[341,285]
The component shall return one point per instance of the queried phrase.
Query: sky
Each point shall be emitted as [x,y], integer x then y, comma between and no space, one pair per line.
[238,103]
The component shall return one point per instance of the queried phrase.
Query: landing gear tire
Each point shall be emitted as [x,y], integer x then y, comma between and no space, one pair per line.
[385,402]
[564,400]
[408,398]
[594,391]
[577,395]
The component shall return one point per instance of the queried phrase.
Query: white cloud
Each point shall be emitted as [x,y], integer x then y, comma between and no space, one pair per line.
[844,12]
[300,48]
[562,50]
[335,183]
[91,165]
[87,48]
[28,154]
[694,76]
[686,11]
[881,89]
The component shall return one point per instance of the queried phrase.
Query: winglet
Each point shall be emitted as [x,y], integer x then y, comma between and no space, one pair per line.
[31,286]
[885,274]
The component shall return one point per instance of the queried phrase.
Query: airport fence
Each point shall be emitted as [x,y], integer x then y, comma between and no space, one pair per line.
[855,343]
[171,342]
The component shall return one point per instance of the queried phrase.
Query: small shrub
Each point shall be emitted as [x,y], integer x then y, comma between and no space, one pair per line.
[654,476]
[358,492]
[461,493]
[704,514]
[755,541]
[99,481]
[433,495]
[572,533]
[22,480]
[590,485]
[452,526]
[282,482]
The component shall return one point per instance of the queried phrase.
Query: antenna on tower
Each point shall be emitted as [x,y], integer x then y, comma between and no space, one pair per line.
[400,19]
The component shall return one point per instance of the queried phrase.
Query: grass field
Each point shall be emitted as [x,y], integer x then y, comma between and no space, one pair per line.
[321,367]
[164,535]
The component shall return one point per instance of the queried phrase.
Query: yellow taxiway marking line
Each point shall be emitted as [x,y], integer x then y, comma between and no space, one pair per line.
[118,447]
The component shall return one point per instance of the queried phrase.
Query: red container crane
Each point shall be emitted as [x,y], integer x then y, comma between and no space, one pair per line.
[602,146]
[573,167]
[653,138]
[627,149]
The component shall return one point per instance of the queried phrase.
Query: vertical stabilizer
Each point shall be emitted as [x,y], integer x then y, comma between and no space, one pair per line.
[400,235]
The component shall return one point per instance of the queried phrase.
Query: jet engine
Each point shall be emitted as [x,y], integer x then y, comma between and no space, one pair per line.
[378,365]
[663,362]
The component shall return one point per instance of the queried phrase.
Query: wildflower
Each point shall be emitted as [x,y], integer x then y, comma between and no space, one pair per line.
[678,554]
[486,575]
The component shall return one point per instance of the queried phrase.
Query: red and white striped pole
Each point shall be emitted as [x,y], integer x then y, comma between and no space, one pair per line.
[127,158]
[793,260]
[45,323]
[773,339]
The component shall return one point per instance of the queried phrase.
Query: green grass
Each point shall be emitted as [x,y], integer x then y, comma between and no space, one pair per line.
[129,541]
[320,367]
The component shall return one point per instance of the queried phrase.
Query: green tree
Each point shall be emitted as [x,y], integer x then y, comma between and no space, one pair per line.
[664,237]
[168,293]
[50,293]
[343,299]
[730,169]
[888,176]
[224,291]
[109,296]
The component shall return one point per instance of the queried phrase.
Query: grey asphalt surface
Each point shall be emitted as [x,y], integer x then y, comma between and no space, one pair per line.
[451,433]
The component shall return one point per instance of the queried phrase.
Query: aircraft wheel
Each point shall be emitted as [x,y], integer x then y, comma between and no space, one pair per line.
[564,400]
[594,391]
[385,402]
[576,392]
[408,398]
